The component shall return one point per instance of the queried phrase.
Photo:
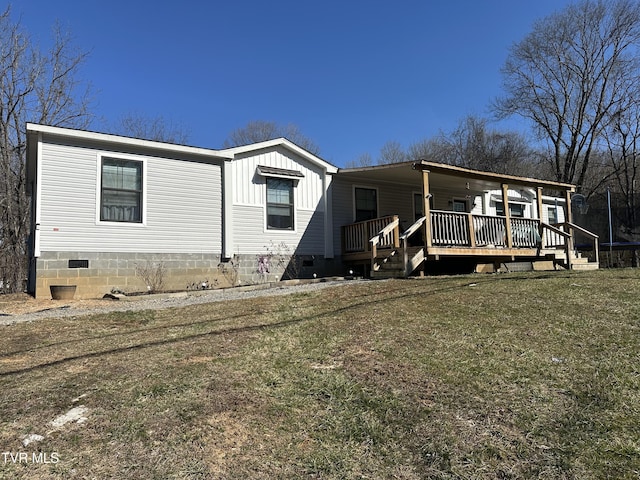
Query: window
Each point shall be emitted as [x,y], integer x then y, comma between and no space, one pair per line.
[279,203]
[366,202]
[459,205]
[418,206]
[121,192]
[515,209]
[552,214]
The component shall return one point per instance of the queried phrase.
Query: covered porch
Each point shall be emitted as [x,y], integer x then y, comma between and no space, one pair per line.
[465,214]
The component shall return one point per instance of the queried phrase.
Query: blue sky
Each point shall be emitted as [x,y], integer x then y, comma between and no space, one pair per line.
[351,74]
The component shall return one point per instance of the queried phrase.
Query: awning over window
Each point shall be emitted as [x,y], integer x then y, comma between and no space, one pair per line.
[278,172]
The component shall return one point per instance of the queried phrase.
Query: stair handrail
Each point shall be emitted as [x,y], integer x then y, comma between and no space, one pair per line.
[405,237]
[375,240]
[580,229]
[412,229]
[554,228]
[587,233]
[566,235]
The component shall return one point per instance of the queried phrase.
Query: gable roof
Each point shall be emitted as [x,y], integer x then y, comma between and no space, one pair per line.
[289,145]
[227,153]
[33,128]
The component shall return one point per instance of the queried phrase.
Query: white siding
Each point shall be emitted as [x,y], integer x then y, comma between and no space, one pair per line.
[308,239]
[249,187]
[250,235]
[515,195]
[183,205]
[550,203]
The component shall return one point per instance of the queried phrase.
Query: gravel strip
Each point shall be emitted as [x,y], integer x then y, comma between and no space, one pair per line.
[182,299]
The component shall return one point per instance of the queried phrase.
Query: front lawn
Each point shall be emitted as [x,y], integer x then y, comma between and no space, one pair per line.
[499,376]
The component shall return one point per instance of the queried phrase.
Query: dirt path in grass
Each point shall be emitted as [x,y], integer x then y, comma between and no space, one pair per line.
[16,308]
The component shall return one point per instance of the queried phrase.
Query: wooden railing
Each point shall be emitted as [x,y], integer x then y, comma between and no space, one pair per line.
[410,264]
[467,230]
[553,236]
[553,233]
[387,237]
[404,238]
[525,233]
[565,231]
[490,231]
[462,230]
[356,236]
[594,238]
[450,228]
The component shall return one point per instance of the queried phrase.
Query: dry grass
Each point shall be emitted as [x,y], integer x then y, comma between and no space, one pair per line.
[21,303]
[514,376]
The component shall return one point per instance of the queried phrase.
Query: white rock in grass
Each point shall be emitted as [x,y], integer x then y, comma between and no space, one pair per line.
[32,437]
[76,414]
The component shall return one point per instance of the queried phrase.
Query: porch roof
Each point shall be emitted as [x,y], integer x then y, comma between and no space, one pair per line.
[447,176]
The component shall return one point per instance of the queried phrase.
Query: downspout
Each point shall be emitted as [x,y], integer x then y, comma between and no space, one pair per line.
[38,206]
[328,215]
[227,209]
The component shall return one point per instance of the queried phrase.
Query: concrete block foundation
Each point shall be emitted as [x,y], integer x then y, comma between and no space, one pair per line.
[96,274]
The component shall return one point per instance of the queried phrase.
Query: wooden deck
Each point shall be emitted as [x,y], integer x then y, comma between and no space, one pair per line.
[452,234]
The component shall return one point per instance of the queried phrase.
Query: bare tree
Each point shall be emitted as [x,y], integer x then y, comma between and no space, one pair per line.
[363,160]
[574,73]
[623,140]
[260,131]
[391,152]
[473,145]
[34,87]
[157,129]
[423,150]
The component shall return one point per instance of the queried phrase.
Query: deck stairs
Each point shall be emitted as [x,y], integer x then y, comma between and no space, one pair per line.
[391,262]
[578,262]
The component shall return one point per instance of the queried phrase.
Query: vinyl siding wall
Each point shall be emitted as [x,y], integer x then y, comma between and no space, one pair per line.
[393,199]
[250,235]
[183,204]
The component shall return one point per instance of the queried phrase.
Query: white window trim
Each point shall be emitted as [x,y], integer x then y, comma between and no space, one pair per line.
[278,231]
[353,199]
[118,156]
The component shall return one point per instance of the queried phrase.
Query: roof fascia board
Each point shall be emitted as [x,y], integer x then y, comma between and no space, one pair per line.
[497,177]
[376,167]
[121,140]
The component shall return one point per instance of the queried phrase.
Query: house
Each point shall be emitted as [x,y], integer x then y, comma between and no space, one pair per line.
[106,206]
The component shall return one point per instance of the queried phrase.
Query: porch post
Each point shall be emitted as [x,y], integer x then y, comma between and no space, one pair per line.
[568,217]
[540,207]
[507,214]
[426,196]
[539,201]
